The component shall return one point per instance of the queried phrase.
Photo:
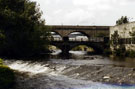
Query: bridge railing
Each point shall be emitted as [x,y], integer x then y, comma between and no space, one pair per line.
[91,39]
[78,39]
[55,39]
[96,39]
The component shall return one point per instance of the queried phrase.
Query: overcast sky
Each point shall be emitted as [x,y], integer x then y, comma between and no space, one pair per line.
[86,12]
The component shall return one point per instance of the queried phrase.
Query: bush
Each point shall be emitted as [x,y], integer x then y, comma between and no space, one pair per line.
[130,53]
[1,61]
[120,52]
[107,52]
[6,77]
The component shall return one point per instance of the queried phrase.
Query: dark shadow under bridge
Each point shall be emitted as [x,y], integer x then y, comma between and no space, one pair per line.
[97,43]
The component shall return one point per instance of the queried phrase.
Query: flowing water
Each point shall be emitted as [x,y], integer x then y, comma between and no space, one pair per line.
[50,74]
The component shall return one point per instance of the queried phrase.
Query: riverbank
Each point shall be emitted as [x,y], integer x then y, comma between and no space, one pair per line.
[7,77]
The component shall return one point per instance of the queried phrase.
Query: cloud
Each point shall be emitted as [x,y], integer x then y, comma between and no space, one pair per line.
[85,12]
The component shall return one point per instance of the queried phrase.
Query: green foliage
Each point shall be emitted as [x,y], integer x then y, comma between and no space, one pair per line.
[130,53]
[132,33]
[82,48]
[22,31]
[122,20]
[121,51]
[115,40]
[6,77]
[107,52]
[1,61]
[118,49]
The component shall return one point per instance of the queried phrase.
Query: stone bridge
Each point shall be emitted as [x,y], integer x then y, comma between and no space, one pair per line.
[98,37]
[89,31]
[98,44]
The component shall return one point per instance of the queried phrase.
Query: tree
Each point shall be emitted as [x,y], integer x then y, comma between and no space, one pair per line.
[122,20]
[21,28]
[118,48]
[115,40]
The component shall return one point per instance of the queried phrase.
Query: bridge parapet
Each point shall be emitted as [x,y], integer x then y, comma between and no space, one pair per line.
[90,39]
[89,31]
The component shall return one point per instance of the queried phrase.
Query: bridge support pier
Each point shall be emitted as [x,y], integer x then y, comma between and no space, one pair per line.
[65,50]
[65,47]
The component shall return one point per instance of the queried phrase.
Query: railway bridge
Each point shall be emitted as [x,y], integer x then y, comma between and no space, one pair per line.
[98,37]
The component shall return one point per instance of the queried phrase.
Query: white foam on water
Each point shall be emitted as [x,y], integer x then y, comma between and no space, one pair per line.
[78,52]
[58,81]
[34,68]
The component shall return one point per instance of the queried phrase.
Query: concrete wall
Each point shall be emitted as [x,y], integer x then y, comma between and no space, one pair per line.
[124,32]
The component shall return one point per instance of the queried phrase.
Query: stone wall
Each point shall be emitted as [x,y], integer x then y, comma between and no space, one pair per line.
[124,33]
[89,31]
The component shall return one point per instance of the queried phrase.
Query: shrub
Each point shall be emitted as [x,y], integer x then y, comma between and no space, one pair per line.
[6,77]
[130,53]
[1,61]
[107,52]
[121,51]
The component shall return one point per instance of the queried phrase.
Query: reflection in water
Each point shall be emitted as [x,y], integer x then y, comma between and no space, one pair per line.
[50,77]
[94,59]
[124,62]
[72,55]
[56,52]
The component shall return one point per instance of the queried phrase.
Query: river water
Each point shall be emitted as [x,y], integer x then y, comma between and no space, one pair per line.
[52,74]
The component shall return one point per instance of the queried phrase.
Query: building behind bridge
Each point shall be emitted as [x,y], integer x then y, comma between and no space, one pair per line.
[124,32]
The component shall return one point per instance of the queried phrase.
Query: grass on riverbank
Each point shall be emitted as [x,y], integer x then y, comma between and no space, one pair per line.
[6,76]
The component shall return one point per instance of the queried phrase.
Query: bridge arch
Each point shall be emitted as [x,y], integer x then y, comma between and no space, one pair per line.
[96,47]
[53,47]
[65,48]
[82,32]
[55,32]
[56,36]
[57,45]
[82,48]
[78,36]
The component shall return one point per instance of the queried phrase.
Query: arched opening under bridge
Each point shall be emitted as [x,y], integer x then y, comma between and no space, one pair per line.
[78,36]
[54,49]
[55,36]
[86,48]
[82,48]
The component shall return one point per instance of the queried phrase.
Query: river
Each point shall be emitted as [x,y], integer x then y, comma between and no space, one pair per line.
[61,73]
